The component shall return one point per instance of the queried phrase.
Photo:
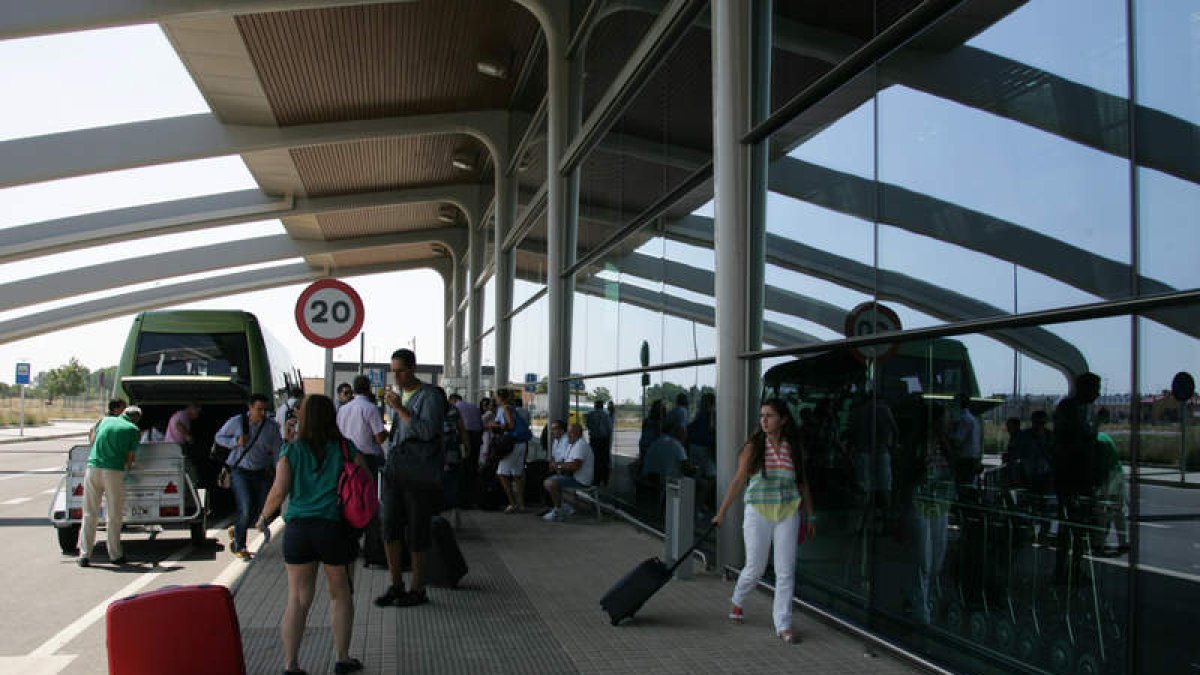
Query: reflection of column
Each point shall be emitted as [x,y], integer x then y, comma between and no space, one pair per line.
[557,215]
[506,215]
[731,20]
[449,296]
[474,311]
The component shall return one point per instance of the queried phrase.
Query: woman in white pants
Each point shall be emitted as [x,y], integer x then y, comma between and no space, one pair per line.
[772,463]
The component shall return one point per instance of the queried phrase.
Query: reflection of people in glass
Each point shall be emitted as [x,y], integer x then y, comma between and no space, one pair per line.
[702,436]
[1076,471]
[652,428]
[771,466]
[968,443]
[932,496]
[1112,488]
[873,432]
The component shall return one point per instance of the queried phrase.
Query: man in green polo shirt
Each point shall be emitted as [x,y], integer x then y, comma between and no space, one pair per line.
[112,455]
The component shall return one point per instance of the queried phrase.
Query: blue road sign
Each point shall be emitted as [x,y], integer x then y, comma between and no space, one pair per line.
[378,377]
[23,373]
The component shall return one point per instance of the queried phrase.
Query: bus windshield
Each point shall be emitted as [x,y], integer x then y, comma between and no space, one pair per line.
[193,354]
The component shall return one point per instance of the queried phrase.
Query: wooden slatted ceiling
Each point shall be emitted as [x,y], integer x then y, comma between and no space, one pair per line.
[385,163]
[379,220]
[370,61]
[384,255]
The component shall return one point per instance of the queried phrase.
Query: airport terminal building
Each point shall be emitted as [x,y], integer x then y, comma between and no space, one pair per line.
[643,200]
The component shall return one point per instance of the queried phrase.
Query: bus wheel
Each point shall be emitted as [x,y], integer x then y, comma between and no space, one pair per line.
[68,539]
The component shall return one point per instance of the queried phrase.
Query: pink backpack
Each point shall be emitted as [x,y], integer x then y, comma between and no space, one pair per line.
[357,499]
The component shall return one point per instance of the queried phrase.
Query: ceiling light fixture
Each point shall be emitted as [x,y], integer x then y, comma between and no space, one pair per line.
[492,69]
[463,161]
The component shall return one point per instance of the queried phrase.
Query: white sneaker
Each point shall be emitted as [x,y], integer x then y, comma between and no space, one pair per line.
[551,515]
[566,509]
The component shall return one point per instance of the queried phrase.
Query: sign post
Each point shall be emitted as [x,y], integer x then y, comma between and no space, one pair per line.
[329,313]
[22,380]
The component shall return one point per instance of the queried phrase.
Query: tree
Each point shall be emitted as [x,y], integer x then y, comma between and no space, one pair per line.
[601,394]
[66,380]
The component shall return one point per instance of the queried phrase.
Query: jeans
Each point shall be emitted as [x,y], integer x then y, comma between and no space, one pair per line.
[250,492]
[759,535]
[929,534]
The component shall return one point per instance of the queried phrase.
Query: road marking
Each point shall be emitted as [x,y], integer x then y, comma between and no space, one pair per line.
[35,472]
[78,626]
[18,500]
[50,491]
[1157,526]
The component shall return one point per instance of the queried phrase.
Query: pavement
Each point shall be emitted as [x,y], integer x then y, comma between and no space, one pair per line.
[530,604]
[56,429]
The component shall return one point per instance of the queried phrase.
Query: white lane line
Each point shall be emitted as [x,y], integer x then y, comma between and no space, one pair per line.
[254,544]
[57,469]
[49,492]
[1157,526]
[78,626]
[18,500]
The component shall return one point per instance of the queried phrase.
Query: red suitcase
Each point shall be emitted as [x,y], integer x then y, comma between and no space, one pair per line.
[182,630]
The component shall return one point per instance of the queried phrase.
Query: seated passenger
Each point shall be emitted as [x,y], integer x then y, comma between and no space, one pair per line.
[666,456]
[574,471]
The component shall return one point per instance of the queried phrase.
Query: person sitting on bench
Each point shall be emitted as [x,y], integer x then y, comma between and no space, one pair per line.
[574,471]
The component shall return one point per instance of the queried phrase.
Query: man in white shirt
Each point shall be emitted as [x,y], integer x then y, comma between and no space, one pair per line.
[576,470]
[968,442]
[359,420]
[286,415]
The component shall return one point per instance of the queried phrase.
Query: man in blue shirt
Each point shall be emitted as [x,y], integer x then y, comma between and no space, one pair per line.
[600,432]
[255,440]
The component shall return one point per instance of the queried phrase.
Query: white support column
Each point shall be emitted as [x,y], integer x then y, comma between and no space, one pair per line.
[506,216]
[558,86]
[460,319]
[474,312]
[732,76]
[449,296]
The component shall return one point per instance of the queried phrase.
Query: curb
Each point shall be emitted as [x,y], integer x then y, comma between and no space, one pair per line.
[51,437]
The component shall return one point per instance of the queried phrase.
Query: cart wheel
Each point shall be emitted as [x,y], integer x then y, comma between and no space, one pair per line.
[1062,656]
[199,534]
[954,616]
[1028,646]
[977,627]
[1005,634]
[68,539]
[1088,665]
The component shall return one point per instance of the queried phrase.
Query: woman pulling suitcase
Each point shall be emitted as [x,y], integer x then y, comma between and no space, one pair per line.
[772,462]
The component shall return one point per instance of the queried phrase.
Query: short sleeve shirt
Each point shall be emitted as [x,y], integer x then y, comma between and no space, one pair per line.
[314,483]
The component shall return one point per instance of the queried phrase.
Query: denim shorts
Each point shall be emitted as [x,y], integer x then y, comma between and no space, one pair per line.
[566,482]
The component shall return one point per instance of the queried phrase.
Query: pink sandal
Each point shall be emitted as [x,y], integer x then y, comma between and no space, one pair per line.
[736,615]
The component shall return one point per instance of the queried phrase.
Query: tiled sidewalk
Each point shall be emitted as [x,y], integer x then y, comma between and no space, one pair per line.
[530,604]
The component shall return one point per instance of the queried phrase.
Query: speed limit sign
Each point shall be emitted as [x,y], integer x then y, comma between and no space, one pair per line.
[329,313]
[871,318]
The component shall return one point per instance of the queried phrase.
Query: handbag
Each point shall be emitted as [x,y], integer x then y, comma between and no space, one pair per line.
[501,447]
[357,500]
[225,475]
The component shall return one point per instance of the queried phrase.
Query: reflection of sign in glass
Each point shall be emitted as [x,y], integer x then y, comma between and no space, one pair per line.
[22,373]
[378,377]
[531,383]
[872,318]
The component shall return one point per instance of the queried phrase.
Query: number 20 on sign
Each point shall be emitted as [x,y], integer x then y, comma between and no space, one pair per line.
[329,313]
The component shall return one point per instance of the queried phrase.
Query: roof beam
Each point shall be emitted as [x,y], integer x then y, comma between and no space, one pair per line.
[196,213]
[114,306]
[26,19]
[111,275]
[202,136]
[934,300]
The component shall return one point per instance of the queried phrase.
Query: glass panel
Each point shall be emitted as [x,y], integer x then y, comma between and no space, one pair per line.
[529,352]
[1168,514]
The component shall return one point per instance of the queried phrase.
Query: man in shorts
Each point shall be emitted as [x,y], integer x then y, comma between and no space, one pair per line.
[411,478]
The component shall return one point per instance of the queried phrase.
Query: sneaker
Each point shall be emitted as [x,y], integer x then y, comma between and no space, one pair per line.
[566,509]
[412,599]
[243,555]
[736,615]
[788,636]
[84,562]
[391,598]
[551,515]
[120,562]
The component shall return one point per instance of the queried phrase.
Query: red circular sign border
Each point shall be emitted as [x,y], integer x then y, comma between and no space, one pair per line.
[881,308]
[311,290]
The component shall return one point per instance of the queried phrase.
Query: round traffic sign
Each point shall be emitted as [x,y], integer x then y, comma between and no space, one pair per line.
[870,318]
[329,313]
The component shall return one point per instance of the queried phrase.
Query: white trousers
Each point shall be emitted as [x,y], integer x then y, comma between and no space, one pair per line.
[759,533]
[110,484]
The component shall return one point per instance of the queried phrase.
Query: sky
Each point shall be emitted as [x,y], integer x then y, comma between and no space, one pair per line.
[103,77]
[903,136]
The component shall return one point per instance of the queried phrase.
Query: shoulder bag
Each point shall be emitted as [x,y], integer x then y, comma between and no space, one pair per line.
[225,477]
[357,499]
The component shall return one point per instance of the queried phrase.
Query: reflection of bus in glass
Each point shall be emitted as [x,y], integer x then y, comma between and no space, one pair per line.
[216,358]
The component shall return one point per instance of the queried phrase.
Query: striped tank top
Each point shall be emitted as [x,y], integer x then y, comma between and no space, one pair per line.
[775,496]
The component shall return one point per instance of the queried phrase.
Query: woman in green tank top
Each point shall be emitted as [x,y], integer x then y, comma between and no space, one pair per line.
[771,468]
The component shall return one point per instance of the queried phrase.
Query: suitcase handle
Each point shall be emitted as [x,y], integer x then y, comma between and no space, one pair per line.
[690,551]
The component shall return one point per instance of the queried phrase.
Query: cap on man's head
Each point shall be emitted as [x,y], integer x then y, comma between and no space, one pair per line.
[133,411]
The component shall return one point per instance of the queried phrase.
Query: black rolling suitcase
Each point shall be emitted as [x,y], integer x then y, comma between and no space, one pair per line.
[628,595]
[445,563]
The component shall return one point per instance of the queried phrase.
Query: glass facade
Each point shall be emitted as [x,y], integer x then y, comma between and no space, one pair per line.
[1011,191]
